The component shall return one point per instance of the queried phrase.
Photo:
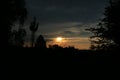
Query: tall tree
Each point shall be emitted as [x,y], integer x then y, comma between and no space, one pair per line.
[33,27]
[106,35]
[16,11]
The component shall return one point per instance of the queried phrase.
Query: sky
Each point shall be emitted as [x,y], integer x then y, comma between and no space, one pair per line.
[65,18]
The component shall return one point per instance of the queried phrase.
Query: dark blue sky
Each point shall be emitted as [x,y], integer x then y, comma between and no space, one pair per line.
[50,11]
[66,18]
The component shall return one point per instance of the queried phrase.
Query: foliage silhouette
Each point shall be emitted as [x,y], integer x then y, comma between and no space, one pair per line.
[106,35]
[40,42]
[33,28]
[19,37]
[17,12]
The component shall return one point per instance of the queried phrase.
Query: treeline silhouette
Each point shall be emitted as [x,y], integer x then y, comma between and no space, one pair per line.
[103,49]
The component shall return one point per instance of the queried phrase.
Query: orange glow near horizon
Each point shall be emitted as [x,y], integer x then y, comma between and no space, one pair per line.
[77,42]
[59,39]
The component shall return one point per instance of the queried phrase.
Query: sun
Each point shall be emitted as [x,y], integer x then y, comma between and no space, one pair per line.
[59,39]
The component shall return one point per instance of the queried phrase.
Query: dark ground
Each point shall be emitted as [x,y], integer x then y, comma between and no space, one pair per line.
[61,56]
[28,62]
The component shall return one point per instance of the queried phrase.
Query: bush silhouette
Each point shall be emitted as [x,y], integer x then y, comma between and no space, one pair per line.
[40,42]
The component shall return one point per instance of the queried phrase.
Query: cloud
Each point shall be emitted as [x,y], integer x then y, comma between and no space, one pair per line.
[68,29]
[68,32]
[48,40]
[53,11]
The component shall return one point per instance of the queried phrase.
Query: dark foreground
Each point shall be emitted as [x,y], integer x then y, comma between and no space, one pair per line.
[61,56]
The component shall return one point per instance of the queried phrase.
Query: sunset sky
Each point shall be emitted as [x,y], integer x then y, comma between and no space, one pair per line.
[65,18]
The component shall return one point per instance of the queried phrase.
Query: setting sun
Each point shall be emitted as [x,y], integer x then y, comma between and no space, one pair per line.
[59,39]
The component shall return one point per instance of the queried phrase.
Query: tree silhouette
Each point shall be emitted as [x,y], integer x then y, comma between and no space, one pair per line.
[16,11]
[40,42]
[18,37]
[106,35]
[33,28]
